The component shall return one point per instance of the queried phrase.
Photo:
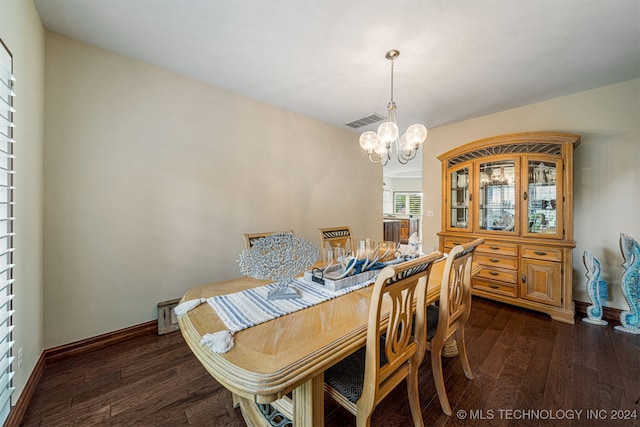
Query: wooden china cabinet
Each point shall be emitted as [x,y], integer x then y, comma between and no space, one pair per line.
[515,191]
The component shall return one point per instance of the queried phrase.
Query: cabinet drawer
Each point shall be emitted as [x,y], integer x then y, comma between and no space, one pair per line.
[496,288]
[509,276]
[498,248]
[510,263]
[450,242]
[541,252]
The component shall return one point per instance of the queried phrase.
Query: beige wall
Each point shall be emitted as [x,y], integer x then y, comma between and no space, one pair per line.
[21,30]
[152,179]
[606,170]
[406,184]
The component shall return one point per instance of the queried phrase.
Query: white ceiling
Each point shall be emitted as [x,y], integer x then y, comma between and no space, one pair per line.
[325,58]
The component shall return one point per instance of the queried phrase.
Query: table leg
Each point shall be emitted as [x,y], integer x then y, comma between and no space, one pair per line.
[450,348]
[235,400]
[308,403]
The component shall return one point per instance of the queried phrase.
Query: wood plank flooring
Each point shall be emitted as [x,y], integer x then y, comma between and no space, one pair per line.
[529,371]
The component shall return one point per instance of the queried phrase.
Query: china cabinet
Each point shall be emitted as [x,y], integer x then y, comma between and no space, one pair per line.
[515,191]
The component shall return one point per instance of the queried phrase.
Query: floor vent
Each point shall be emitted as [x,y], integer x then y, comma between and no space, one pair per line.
[167,320]
[375,117]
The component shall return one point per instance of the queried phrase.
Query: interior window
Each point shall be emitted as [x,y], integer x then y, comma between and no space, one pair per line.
[407,203]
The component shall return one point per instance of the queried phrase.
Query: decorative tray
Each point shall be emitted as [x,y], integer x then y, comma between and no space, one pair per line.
[324,278]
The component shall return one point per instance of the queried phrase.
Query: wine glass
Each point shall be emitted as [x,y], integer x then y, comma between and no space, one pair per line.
[339,255]
[462,181]
[328,257]
[387,251]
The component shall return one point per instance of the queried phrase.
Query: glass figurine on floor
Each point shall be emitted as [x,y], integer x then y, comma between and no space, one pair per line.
[594,312]
[630,284]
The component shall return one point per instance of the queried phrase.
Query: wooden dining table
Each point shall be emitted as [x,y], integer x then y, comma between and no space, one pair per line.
[281,362]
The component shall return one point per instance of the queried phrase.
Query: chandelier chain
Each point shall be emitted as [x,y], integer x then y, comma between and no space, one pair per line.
[392,81]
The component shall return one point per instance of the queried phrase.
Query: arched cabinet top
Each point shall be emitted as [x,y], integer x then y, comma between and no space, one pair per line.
[551,143]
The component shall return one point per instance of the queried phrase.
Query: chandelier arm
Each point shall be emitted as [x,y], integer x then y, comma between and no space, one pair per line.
[410,155]
[371,158]
[381,159]
[402,159]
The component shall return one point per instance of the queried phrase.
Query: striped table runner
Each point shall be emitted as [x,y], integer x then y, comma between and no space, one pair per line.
[242,310]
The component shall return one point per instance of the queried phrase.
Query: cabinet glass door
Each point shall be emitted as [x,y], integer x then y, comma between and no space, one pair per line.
[544,210]
[459,183]
[497,204]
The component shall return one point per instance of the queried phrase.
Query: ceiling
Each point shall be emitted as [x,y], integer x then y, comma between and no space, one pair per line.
[325,58]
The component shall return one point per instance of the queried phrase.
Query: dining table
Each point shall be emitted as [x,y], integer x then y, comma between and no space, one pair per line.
[276,368]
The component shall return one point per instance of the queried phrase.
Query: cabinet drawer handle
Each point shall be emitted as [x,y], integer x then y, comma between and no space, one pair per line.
[494,286]
[493,273]
[540,253]
[524,279]
[456,243]
[525,195]
[494,248]
[493,260]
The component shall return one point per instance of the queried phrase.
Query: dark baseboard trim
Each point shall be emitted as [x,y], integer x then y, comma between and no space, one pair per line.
[100,341]
[69,350]
[610,314]
[20,408]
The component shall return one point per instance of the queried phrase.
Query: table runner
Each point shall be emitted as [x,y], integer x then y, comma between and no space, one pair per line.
[244,309]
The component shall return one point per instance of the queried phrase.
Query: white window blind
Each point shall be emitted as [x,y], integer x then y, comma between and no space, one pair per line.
[6,229]
[407,203]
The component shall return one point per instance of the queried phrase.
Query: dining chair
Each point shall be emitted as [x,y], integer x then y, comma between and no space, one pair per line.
[394,345]
[250,238]
[336,236]
[448,318]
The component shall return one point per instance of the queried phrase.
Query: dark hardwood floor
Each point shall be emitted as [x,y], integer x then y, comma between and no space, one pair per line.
[529,371]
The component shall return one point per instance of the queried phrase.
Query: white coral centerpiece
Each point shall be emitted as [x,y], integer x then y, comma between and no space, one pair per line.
[281,257]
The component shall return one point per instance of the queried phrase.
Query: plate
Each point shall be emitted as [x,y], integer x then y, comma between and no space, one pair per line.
[503,222]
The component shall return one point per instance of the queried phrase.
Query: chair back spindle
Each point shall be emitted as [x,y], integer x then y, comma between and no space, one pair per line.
[337,236]
[250,238]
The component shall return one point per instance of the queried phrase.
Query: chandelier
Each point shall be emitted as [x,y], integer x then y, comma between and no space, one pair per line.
[379,145]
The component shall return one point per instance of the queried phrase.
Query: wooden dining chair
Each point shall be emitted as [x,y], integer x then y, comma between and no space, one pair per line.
[394,346]
[250,238]
[336,236]
[448,318]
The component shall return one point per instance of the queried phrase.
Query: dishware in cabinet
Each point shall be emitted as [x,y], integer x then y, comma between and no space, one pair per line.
[458,186]
[543,197]
[498,188]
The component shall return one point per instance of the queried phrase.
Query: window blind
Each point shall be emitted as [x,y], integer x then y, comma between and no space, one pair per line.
[6,229]
[408,203]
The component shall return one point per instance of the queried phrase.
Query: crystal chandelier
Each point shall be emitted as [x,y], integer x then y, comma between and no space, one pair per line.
[379,145]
